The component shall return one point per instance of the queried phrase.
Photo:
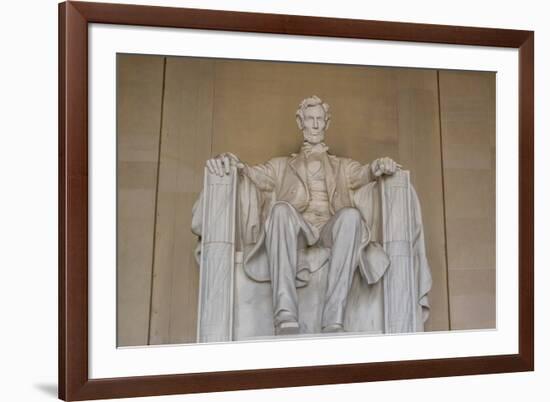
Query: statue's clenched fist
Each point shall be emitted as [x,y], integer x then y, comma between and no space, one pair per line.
[222,164]
[384,166]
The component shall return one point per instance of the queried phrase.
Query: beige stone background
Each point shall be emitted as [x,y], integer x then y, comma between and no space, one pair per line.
[176,112]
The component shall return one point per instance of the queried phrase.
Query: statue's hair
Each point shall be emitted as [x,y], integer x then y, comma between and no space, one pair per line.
[310,102]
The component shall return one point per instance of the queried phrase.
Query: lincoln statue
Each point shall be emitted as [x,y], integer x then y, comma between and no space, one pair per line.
[309,199]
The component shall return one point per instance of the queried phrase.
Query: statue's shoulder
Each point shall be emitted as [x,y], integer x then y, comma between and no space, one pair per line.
[344,161]
[279,160]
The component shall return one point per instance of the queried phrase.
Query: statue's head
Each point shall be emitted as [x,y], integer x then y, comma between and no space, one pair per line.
[313,119]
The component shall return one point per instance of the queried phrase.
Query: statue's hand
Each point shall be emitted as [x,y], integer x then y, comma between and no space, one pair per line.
[384,166]
[221,164]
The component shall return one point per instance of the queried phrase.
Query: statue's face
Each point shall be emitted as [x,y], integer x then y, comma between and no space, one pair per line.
[314,124]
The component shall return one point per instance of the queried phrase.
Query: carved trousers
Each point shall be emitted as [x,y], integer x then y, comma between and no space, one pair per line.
[342,234]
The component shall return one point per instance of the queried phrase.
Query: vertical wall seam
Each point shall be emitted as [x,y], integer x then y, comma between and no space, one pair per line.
[173,230]
[444,203]
[213,107]
[156,200]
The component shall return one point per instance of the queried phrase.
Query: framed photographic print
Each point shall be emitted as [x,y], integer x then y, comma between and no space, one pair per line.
[260,200]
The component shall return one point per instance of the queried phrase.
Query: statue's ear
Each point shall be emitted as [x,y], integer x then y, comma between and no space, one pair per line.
[327,123]
[299,122]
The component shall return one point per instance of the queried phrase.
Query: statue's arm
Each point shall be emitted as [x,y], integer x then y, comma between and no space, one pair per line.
[262,175]
[358,175]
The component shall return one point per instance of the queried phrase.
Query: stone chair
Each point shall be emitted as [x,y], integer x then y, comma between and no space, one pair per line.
[233,307]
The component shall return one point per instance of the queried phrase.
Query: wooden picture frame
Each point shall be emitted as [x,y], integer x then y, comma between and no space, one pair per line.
[74,381]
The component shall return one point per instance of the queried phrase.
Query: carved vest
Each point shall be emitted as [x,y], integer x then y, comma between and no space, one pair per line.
[317,212]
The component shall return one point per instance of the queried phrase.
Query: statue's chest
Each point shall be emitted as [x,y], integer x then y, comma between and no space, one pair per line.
[315,169]
[316,177]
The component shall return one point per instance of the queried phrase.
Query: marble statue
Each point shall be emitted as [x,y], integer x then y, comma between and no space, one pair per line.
[269,218]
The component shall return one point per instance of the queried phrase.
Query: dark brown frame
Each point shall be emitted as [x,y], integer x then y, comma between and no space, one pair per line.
[74,17]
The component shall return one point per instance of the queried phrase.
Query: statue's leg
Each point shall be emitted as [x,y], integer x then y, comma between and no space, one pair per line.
[342,234]
[282,231]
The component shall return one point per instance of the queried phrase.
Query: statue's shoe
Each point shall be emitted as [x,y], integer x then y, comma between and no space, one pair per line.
[287,328]
[332,328]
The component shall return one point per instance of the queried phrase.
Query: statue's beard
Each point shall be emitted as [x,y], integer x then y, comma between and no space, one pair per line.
[314,138]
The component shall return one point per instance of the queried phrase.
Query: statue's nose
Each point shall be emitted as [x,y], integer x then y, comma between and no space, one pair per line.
[315,123]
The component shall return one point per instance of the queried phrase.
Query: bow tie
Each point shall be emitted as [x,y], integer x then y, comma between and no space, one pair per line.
[309,149]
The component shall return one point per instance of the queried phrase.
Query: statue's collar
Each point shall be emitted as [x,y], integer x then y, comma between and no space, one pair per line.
[309,149]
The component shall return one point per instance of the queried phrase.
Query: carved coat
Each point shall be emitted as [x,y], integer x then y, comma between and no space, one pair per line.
[285,179]
[349,184]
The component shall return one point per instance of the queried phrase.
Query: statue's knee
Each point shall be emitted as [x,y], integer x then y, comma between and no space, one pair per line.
[281,210]
[350,216]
